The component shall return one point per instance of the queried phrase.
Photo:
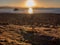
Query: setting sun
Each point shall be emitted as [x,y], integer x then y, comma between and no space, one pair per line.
[30,3]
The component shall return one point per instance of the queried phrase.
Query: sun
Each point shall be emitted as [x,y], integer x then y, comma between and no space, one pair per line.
[30,3]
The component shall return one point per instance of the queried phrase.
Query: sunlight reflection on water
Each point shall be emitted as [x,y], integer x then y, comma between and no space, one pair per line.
[30,11]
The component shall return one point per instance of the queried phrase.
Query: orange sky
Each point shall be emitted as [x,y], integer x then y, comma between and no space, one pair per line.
[39,3]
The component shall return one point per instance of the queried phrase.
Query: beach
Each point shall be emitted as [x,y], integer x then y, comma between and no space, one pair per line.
[29,29]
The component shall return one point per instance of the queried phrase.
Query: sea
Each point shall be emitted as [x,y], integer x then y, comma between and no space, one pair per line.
[37,10]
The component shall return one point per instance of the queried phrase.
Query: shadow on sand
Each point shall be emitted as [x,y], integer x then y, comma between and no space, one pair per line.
[36,39]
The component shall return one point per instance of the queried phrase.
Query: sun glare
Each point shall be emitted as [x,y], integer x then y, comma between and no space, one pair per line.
[30,4]
[30,10]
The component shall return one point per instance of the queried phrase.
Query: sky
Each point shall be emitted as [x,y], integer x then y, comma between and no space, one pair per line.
[39,3]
